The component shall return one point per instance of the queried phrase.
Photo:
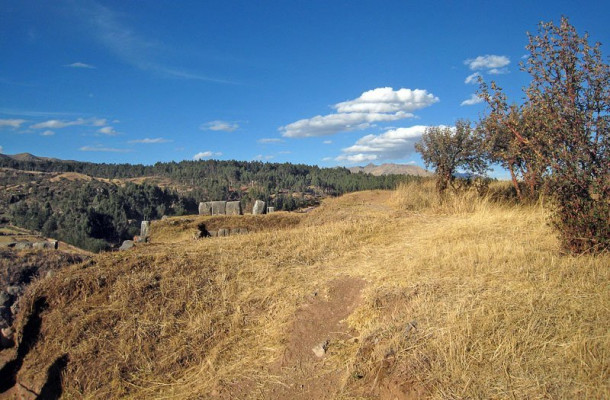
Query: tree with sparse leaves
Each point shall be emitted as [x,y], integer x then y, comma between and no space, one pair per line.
[448,150]
[562,129]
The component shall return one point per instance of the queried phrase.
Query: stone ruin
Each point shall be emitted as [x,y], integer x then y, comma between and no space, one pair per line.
[231,208]
[202,232]
[259,207]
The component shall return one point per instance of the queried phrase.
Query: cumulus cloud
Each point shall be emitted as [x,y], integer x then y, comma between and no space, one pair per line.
[11,123]
[474,99]
[472,78]
[270,140]
[377,105]
[218,125]
[327,141]
[48,133]
[150,141]
[108,130]
[80,65]
[393,144]
[57,124]
[101,148]
[487,62]
[206,154]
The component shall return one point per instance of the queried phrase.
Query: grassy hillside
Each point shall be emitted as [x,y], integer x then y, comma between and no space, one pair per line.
[409,297]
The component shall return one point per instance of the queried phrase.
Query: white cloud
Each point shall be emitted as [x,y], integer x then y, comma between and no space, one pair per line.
[377,105]
[206,154]
[150,141]
[285,152]
[270,140]
[487,62]
[11,123]
[472,78]
[57,124]
[48,133]
[335,123]
[356,158]
[104,149]
[498,71]
[108,130]
[386,100]
[327,141]
[474,99]
[393,144]
[218,125]
[262,157]
[80,65]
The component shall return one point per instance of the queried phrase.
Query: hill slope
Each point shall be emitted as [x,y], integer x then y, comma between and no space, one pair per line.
[391,169]
[374,294]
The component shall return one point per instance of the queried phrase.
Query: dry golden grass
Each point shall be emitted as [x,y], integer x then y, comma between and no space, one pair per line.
[465,298]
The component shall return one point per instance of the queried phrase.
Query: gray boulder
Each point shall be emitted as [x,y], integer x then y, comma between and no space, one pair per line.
[219,207]
[243,231]
[259,207]
[23,245]
[270,210]
[205,208]
[223,232]
[234,208]
[127,244]
[213,233]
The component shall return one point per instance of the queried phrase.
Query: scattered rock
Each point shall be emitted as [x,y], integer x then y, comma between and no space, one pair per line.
[5,299]
[13,290]
[270,210]
[243,231]
[127,244]
[223,232]
[213,233]
[7,337]
[163,218]
[23,245]
[233,208]
[259,207]
[15,308]
[320,349]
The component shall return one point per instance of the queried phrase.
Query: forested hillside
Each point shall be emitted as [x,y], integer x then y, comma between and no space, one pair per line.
[42,194]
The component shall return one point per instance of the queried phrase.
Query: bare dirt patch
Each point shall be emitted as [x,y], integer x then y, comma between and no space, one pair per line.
[301,374]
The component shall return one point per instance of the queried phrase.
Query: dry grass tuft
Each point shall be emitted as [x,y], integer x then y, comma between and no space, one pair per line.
[467,298]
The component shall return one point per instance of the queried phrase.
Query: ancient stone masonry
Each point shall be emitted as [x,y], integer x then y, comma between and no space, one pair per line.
[259,207]
[205,208]
[233,208]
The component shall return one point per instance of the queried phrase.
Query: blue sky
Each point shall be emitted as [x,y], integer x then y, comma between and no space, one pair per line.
[317,82]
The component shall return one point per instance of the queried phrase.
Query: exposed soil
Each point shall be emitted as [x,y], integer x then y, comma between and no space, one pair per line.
[300,373]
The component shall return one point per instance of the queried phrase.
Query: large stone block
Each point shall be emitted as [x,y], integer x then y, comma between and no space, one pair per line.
[233,208]
[270,210]
[219,207]
[145,229]
[259,207]
[205,208]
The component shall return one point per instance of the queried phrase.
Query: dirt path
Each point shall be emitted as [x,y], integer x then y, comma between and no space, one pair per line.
[318,324]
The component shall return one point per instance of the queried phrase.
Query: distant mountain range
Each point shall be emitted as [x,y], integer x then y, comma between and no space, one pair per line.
[389,169]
